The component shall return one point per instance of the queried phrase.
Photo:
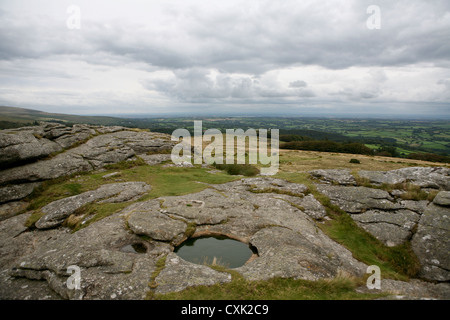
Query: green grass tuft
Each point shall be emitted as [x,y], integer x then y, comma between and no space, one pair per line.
[190,230]
[159,266]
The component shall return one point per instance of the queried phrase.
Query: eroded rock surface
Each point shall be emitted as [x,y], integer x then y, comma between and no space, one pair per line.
[155,225]
[431,243]
[180,274]
[359,199]
[288,241]
[334,176]
[74,149]
[425,177]
[394,221]
[412,290]
[106,271]
[278,218]
[391,227]
[57,211]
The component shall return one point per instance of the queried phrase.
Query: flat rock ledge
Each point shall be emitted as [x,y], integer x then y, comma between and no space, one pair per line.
[31,155]
[119,256]
[287,239]
[395,221]
[56,212]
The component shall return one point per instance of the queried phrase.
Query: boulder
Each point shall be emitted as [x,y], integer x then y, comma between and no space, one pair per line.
[359,199]
[416,206]
[431,243]
[143,141]
[69,140]
[61,165]
[334,176]
[17,191]
[285,253]
[312,207]
[10,209]
[380,177]
[56,212]
[390,227]
[19,147]
[102,150]
[111,146]
[110,129]
[442,198]
[107,272]
[425,177]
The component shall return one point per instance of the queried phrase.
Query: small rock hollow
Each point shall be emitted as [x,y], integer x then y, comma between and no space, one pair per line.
[215,250]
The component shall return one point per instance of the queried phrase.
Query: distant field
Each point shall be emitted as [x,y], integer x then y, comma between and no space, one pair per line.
[292,161]
[407,136]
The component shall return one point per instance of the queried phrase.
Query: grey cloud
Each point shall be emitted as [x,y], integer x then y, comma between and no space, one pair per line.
[273,35]
[304,93]
[298,84]
[445,82]
[198,84]
[355,95]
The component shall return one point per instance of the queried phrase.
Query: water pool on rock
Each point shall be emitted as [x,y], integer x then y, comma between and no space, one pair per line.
[215,250]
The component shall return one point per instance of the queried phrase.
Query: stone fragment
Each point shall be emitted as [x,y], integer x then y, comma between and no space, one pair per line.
[442,198]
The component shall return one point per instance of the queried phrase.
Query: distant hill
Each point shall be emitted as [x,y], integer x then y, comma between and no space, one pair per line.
[11,117]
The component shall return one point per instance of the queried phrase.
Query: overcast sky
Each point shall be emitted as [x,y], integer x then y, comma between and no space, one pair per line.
[226,57]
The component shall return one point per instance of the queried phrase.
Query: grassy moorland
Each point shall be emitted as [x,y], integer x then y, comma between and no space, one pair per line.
[395,262]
